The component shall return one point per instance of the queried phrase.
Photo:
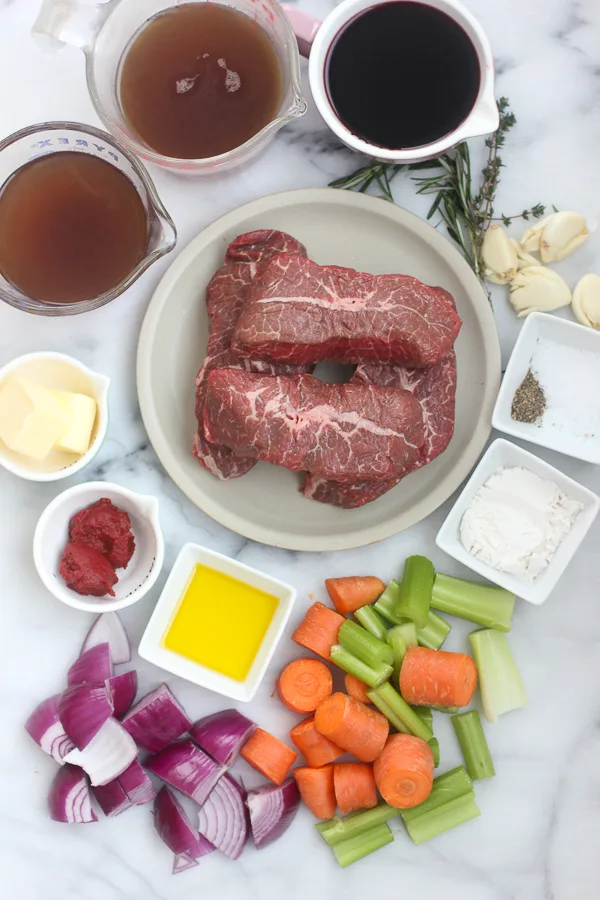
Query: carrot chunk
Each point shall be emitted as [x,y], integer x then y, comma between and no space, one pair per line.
[304,684]
[354,785]
[319,630]
[350,593]
[269,755]
[316,790]
[437,677]
[317,750]
[351,725]
[404,771]
[357,688]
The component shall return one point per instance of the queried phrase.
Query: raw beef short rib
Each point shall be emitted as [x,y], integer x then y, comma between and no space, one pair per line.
[346,432]
[299,312]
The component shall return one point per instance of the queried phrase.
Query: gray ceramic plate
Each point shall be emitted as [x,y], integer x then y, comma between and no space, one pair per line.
[341,228]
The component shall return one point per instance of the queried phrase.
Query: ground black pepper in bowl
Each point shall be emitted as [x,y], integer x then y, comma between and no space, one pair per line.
[529,401]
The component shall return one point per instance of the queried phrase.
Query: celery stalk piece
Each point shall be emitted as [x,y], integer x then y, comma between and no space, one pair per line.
[484,604]
[386,710]
[335,830]
[455,812]
[372,621]
[448,710]
[395,638]
[414,594]
[434,633]
[473,745]
[425,714]
[452,784]
[364,646]
[359,846]
[409,633]
[435,748]
[387,602]
[349,663]
[500,681]
[402,711]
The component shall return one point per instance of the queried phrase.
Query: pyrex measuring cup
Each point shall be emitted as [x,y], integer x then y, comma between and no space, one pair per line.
[104,32]
[57,137]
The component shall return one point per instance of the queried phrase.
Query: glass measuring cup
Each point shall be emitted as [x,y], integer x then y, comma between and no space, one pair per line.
[56,137]
[104,31]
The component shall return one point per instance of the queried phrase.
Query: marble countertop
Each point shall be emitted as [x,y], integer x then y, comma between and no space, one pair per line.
[539,832]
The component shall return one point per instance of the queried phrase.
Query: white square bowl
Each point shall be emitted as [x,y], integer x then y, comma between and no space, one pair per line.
[537,328]
[503,454]
[151,644]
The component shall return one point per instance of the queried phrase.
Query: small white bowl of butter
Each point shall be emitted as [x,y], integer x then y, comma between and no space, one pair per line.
[53,414]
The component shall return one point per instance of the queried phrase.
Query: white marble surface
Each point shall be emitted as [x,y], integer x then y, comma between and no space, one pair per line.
[539,832]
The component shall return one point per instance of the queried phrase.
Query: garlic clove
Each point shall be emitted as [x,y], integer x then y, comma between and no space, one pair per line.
[530,239]
[499,255]
[586,301]
[563,233]
[524,259]
[537,289]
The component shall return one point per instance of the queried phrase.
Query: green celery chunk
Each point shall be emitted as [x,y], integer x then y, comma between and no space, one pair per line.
[452,784]
[359,846]
[414,593]
[395,638]
[372,621]
[425,714]
[484,604]
[434,633]
[500,681]
[387,602]
[373,676]
[363,645]
[448,710]
[409,633]
[385,709]
[337,829]
[473,745]
[435,747]
[455,812]
[402,712]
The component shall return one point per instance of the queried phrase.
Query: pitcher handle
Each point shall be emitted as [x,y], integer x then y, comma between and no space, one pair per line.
[305,28]
[74,22]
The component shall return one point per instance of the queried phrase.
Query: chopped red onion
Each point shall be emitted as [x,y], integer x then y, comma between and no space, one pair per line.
[45,727]
[186,768]
[123,689]
[108,627]
[69,798]
[183,861]
[136,784]
[83,710]
[111,798]
[93,665]
[222,819]
[272,809]
[175,829]
[107,755]
[223,734]
[156,720]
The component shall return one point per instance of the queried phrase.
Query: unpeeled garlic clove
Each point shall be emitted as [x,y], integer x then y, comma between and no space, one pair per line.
[530,239]
[537,289]
[563,233]
[586,301]
[499,255]
[524,259]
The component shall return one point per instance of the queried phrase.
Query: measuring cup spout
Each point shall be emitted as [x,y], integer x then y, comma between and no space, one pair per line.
[74,22]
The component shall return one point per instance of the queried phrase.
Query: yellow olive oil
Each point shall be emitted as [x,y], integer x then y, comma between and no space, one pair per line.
[220,622]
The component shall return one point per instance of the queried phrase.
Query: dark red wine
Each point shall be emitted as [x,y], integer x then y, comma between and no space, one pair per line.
[402,75]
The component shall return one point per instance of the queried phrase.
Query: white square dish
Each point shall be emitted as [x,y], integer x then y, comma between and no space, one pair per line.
[538,328]
[504,454]
[151,648]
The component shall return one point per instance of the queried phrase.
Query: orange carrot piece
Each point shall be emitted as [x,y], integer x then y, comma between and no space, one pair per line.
[404,771]
[269,755]
[437,677]
[357,688]
[354,785]
[304,684]
[349,594]
[319,630]
[317,750]
[351,725]
[316,790]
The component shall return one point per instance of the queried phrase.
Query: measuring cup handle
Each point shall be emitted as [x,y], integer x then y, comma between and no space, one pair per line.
[62,22]
[305,28]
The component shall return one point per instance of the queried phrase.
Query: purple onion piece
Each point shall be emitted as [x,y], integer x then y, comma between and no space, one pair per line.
[136,784]
[45,727]
[272,808]
[186,768]
[69,798]
[123,689]
[107,755]
[174,827]
[183,861]
[223,734]
[83,710]
[93,665]
[108,627]
[111,798]
[222,819]
[156,720]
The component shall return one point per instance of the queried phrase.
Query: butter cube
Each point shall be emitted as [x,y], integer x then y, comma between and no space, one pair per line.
[82,412]
[31,418]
